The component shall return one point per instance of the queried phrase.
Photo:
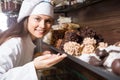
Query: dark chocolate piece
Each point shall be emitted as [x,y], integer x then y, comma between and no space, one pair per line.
[94,61]
[116,66]
[101,53]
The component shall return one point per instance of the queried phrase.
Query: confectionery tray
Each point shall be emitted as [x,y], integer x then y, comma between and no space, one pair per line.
[83,67]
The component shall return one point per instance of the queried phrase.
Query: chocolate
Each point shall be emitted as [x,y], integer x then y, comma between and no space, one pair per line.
[90,32]
[57,34]
[116,66]
[71,35]
[58,43]
[75,35]
[94,61]
[101,53]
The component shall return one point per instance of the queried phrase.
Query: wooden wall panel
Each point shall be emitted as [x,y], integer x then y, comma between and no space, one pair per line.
[104,17]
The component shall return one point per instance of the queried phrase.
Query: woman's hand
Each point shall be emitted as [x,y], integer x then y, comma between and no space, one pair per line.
[47,60]
[41,53]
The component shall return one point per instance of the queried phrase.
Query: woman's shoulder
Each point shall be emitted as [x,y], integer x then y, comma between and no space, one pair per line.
[13,41]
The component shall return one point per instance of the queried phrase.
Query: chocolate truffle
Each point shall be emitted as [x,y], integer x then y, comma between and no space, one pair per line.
[101,53]
[116,66]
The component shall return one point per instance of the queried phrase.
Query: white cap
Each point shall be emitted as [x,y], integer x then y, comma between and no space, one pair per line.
[34,7]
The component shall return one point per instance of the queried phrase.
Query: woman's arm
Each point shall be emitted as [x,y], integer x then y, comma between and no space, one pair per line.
[10,56]
[26,72]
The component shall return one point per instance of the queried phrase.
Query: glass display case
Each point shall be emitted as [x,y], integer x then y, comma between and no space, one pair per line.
[79,69]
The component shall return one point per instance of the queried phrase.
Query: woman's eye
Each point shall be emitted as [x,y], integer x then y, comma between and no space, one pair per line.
[49,21]
[37,19]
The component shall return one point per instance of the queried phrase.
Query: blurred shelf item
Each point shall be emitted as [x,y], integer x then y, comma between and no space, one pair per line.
[76,6]
[10,5]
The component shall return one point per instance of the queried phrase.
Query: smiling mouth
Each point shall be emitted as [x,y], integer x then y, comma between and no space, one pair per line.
[41,31]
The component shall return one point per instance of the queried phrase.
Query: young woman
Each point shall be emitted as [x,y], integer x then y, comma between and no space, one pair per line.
[17,44]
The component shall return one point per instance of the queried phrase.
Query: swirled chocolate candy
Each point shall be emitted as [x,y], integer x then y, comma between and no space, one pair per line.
[101,53]
[116,66]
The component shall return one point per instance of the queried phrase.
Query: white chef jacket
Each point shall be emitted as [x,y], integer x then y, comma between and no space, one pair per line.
[16,59]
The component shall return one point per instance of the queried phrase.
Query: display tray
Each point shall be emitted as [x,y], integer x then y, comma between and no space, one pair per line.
[100,72]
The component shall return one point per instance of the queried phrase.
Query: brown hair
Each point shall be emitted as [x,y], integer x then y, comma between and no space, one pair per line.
[16,30]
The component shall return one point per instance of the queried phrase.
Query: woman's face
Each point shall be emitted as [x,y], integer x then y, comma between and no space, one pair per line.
[39,25]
